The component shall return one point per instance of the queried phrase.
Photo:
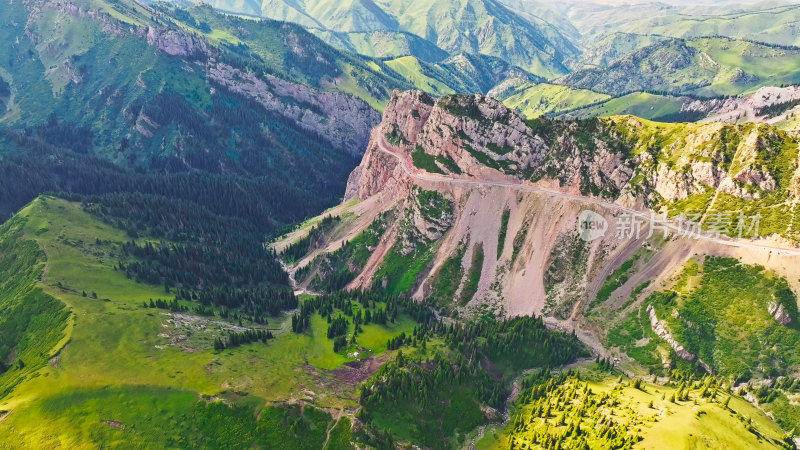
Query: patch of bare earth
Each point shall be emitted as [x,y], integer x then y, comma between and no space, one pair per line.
[115,424]
[355,372]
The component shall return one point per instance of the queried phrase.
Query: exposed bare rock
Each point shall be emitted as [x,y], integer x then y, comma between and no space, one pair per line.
[407,113]
[491,128]
[176,43]
[146,126]
[74,74]
[780,314]
[343,120]
[351,191]
[660,329]
[376,168]
[749,107]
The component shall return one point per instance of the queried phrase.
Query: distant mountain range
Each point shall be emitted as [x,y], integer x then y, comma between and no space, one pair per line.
[601,48]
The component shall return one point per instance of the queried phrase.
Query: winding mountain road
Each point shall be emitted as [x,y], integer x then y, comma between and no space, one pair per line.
[384,147]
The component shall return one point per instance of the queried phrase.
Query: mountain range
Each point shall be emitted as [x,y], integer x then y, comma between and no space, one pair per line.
[399,224]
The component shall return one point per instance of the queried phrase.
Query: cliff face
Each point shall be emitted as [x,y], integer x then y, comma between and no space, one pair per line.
[620,157]
[520,251]
[341,120]
[407,113]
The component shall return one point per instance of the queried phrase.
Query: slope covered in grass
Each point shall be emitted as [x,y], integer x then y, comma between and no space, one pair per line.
[705,66]
[719,310]
[534,100]
[32,323]
[126,373]
[593,409]
[656,107]
[765,22]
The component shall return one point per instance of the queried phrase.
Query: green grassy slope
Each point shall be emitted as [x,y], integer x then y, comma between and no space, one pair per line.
[706,66]
[32,322]
[612,47]
[719,311]
[593,409]
[383,44]
[656,107]
[766,22]
[535,100]
[125,373]
[411,69]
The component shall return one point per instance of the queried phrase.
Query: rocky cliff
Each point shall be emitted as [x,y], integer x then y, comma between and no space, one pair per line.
[511,241]
[340,119]
[616,158]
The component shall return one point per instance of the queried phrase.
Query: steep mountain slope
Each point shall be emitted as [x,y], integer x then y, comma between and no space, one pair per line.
[612,47]
[610,158]
[462,73]
[381,28]
[707,66]
[465,206]
[162,95]
[383,44]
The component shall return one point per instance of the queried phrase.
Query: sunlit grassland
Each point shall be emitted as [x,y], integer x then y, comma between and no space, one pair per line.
[411,69]
[534,100]
[648,411]
[118,356]
[645,105]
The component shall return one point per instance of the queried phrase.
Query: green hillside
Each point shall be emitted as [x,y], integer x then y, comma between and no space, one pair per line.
[463,73]
[655,107]
[292,53]
[534,100]
[381,28]
[383,44]
[720,311]
[124,370]
[765,22]
[33,323]
[591,408]
[708,67]
[421,76]
[612,47]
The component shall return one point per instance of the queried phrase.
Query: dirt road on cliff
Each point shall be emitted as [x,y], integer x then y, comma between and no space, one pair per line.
[383,146]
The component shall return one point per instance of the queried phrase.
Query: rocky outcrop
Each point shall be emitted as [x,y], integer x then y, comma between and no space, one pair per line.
[404,117]
[374,172]
[474,135]
[343,120]
[660,329]
[483,124]
[780,314]
[752,108]
[175,42]
[675,185]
